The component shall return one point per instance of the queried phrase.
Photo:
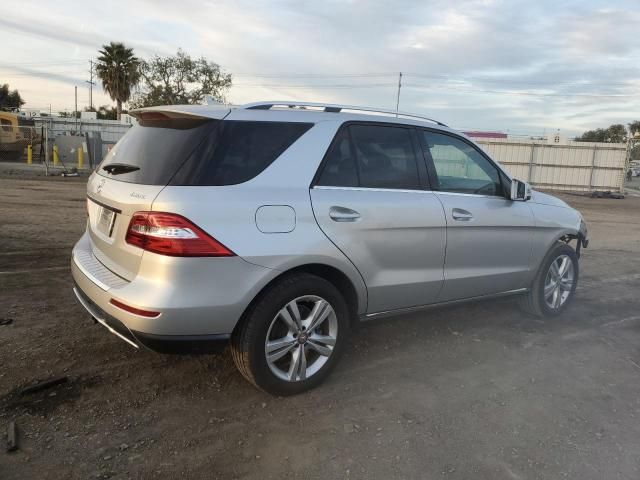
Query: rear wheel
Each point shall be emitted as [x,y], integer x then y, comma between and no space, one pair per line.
[292,336]
[555,284]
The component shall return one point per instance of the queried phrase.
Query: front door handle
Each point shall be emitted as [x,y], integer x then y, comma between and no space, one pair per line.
[342,214]
[461,215]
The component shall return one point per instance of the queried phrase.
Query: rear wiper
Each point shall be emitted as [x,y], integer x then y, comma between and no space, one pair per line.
[118,168]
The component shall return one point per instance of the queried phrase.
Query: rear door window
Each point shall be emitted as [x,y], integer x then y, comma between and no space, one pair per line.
[340,164]
[371,156]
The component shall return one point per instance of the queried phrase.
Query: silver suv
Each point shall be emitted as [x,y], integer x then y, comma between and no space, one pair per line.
[276,227]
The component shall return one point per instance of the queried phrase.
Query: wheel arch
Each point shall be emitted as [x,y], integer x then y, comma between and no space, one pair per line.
[335,276]
[565,236]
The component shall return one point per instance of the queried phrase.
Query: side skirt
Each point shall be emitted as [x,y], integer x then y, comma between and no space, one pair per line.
[402,311]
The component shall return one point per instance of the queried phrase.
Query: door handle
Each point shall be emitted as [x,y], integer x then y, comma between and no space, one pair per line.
[342,214]
[461,215]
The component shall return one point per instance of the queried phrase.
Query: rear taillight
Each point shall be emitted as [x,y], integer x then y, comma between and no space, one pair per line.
[173,235]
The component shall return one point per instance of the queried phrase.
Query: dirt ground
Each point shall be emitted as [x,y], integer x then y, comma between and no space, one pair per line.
[478,391]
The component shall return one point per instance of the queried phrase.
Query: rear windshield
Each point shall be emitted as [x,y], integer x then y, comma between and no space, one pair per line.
[195,151]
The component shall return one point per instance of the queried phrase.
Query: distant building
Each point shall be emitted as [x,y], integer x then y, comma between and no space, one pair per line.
[498,135]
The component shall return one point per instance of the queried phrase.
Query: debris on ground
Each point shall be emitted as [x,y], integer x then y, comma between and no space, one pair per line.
[6,321]
[43,385]
[607,194]
[12,437]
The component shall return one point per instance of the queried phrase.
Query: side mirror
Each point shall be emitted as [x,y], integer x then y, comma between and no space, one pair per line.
[520,191]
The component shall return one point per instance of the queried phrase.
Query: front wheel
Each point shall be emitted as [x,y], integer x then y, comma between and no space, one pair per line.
[292,336]
[555,284]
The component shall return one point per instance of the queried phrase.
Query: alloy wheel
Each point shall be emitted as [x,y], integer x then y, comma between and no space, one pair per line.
[559,281]
[301,338]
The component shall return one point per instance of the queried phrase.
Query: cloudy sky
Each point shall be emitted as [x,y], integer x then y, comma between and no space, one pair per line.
[522,67]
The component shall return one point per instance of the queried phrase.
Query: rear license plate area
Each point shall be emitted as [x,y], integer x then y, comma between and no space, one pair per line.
[105,221]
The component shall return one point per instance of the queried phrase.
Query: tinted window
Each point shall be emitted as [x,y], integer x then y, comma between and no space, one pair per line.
[385,157]
[371,156]
[201,151]
[340,166]
[460,167]
[157,147]
[238,152]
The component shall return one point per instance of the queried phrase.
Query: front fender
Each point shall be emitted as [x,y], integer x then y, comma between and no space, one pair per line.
[553,224]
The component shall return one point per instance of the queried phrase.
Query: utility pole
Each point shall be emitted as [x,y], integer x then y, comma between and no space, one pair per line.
[75,112]
[399,87]
[91,84]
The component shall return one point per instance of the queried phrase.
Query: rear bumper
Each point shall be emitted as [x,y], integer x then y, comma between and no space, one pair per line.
[172,344]
[199,300]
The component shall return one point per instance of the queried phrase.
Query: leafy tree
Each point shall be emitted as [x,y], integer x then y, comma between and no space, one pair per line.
[634,127]
[614,134]
[105,112]
[9,100]
[180,79]
[67,114]
[119,70]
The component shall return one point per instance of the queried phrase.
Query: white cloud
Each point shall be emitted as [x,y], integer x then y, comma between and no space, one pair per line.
[457,57]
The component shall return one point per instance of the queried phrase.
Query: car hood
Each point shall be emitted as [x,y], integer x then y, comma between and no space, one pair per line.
[546,199]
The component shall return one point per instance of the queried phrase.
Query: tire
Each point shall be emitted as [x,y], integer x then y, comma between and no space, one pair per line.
[272,318]
[535,302]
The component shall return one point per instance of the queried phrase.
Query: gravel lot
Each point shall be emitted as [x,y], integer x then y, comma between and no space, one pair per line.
[478,391]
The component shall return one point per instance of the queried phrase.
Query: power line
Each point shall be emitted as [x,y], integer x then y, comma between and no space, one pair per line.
[313,85]
[532,94]
[314,75]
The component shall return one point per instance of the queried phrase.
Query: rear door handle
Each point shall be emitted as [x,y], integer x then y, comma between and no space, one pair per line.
[342,214]
[461,215]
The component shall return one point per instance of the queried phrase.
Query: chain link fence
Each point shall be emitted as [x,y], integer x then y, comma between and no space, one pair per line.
[20,143]
[59,143]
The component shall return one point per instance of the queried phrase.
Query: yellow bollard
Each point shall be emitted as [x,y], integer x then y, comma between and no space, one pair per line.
[29,154]
[55,156]
[80,158]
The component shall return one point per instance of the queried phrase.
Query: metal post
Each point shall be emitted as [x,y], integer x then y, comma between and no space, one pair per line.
[593,167]
[45,135]
[29,154]
[533,152]
[75,112]
[80,158]
[91,84]
[398,97]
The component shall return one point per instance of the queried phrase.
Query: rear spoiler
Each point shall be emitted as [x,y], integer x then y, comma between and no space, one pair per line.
[181,111]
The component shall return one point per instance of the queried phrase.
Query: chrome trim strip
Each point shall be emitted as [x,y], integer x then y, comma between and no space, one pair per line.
[365,189]
[101,321]
[104,205]
[400,311]
[438,192]
[459,194]
[93,279]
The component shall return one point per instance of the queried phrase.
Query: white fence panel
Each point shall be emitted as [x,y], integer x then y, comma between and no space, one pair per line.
[572,167]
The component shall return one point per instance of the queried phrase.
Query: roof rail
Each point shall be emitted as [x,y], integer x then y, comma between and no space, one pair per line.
[334,108]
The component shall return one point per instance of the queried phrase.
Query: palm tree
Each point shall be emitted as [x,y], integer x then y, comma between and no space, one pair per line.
[118,69]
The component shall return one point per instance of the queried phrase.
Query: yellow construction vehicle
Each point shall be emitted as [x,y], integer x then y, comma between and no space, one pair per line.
[15,135]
